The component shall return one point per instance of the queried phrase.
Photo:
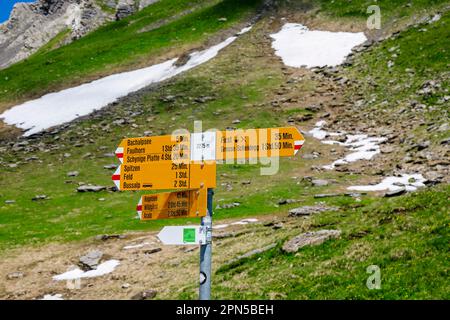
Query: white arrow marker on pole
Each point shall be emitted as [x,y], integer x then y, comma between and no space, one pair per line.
[182,235]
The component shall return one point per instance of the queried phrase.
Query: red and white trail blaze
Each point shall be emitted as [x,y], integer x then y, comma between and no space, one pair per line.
[298,145]
[116,177]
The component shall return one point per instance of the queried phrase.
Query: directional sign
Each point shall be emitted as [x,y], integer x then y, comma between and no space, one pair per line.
[165,176]
[211,146]
[167,205]
[154,149]
[182,235]
[258,143]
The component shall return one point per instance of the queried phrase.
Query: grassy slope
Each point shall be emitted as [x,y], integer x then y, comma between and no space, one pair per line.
[389,9]
[407,238]
[119,46]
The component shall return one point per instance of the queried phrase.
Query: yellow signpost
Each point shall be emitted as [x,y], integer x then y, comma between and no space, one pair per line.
[187,163]
[178,204]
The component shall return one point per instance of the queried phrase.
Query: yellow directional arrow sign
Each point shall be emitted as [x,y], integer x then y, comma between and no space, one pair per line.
[258,143]
[165,176]
[167,205]
[212,145]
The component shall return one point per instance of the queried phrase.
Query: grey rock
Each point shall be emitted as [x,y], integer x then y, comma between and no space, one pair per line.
[40,197]
[110,166]
[32,25]
[91,260]
[104,237]
[228,205]
[319,183]
[124,9]
[395,193]
[152,251]
[73,173]
[326,195]
[309,210]
[313,238]
[252,253]
[88,188]
[10,201]
[145,295]
[287,201]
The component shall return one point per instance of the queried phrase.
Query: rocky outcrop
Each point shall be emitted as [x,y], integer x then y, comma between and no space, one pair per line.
[313,238]
[32,25]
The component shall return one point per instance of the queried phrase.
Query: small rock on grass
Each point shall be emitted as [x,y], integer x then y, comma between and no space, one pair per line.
[87,188]
[308,210]
[73,173]
[319,183]
[145,295]
[313,238]
[395,193]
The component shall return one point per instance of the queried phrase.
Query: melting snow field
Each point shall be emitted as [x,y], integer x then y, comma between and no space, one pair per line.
[60,107]
[298,46]
[104,268]
[241,222]
[362,147]
[409,182]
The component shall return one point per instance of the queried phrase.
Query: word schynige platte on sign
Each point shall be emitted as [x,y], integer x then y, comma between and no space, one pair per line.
[178,204]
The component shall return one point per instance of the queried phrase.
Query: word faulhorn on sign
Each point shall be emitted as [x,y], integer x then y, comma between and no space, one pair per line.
[182,235]
[156,149]
[169,205]
[165,176]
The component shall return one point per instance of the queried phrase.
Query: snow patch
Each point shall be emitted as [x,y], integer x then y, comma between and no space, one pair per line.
[57,296]
[298,46]
[66,105]
[102,269]
[136,246]
[241,222]
[362,146]
[409,182]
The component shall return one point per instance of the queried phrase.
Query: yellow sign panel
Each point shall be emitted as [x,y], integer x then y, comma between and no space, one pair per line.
[169,205]
[165,175]
[258,143]
[157,149]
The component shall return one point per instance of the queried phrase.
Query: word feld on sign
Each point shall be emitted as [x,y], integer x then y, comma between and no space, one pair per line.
[169,205]
[165,176]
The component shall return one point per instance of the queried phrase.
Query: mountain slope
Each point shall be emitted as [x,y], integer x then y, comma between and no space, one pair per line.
[122,45]
[248,86]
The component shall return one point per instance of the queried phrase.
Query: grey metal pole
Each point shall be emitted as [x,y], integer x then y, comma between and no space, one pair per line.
[206,252]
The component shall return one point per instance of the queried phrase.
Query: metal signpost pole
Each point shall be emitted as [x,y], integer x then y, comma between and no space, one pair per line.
[206,252]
